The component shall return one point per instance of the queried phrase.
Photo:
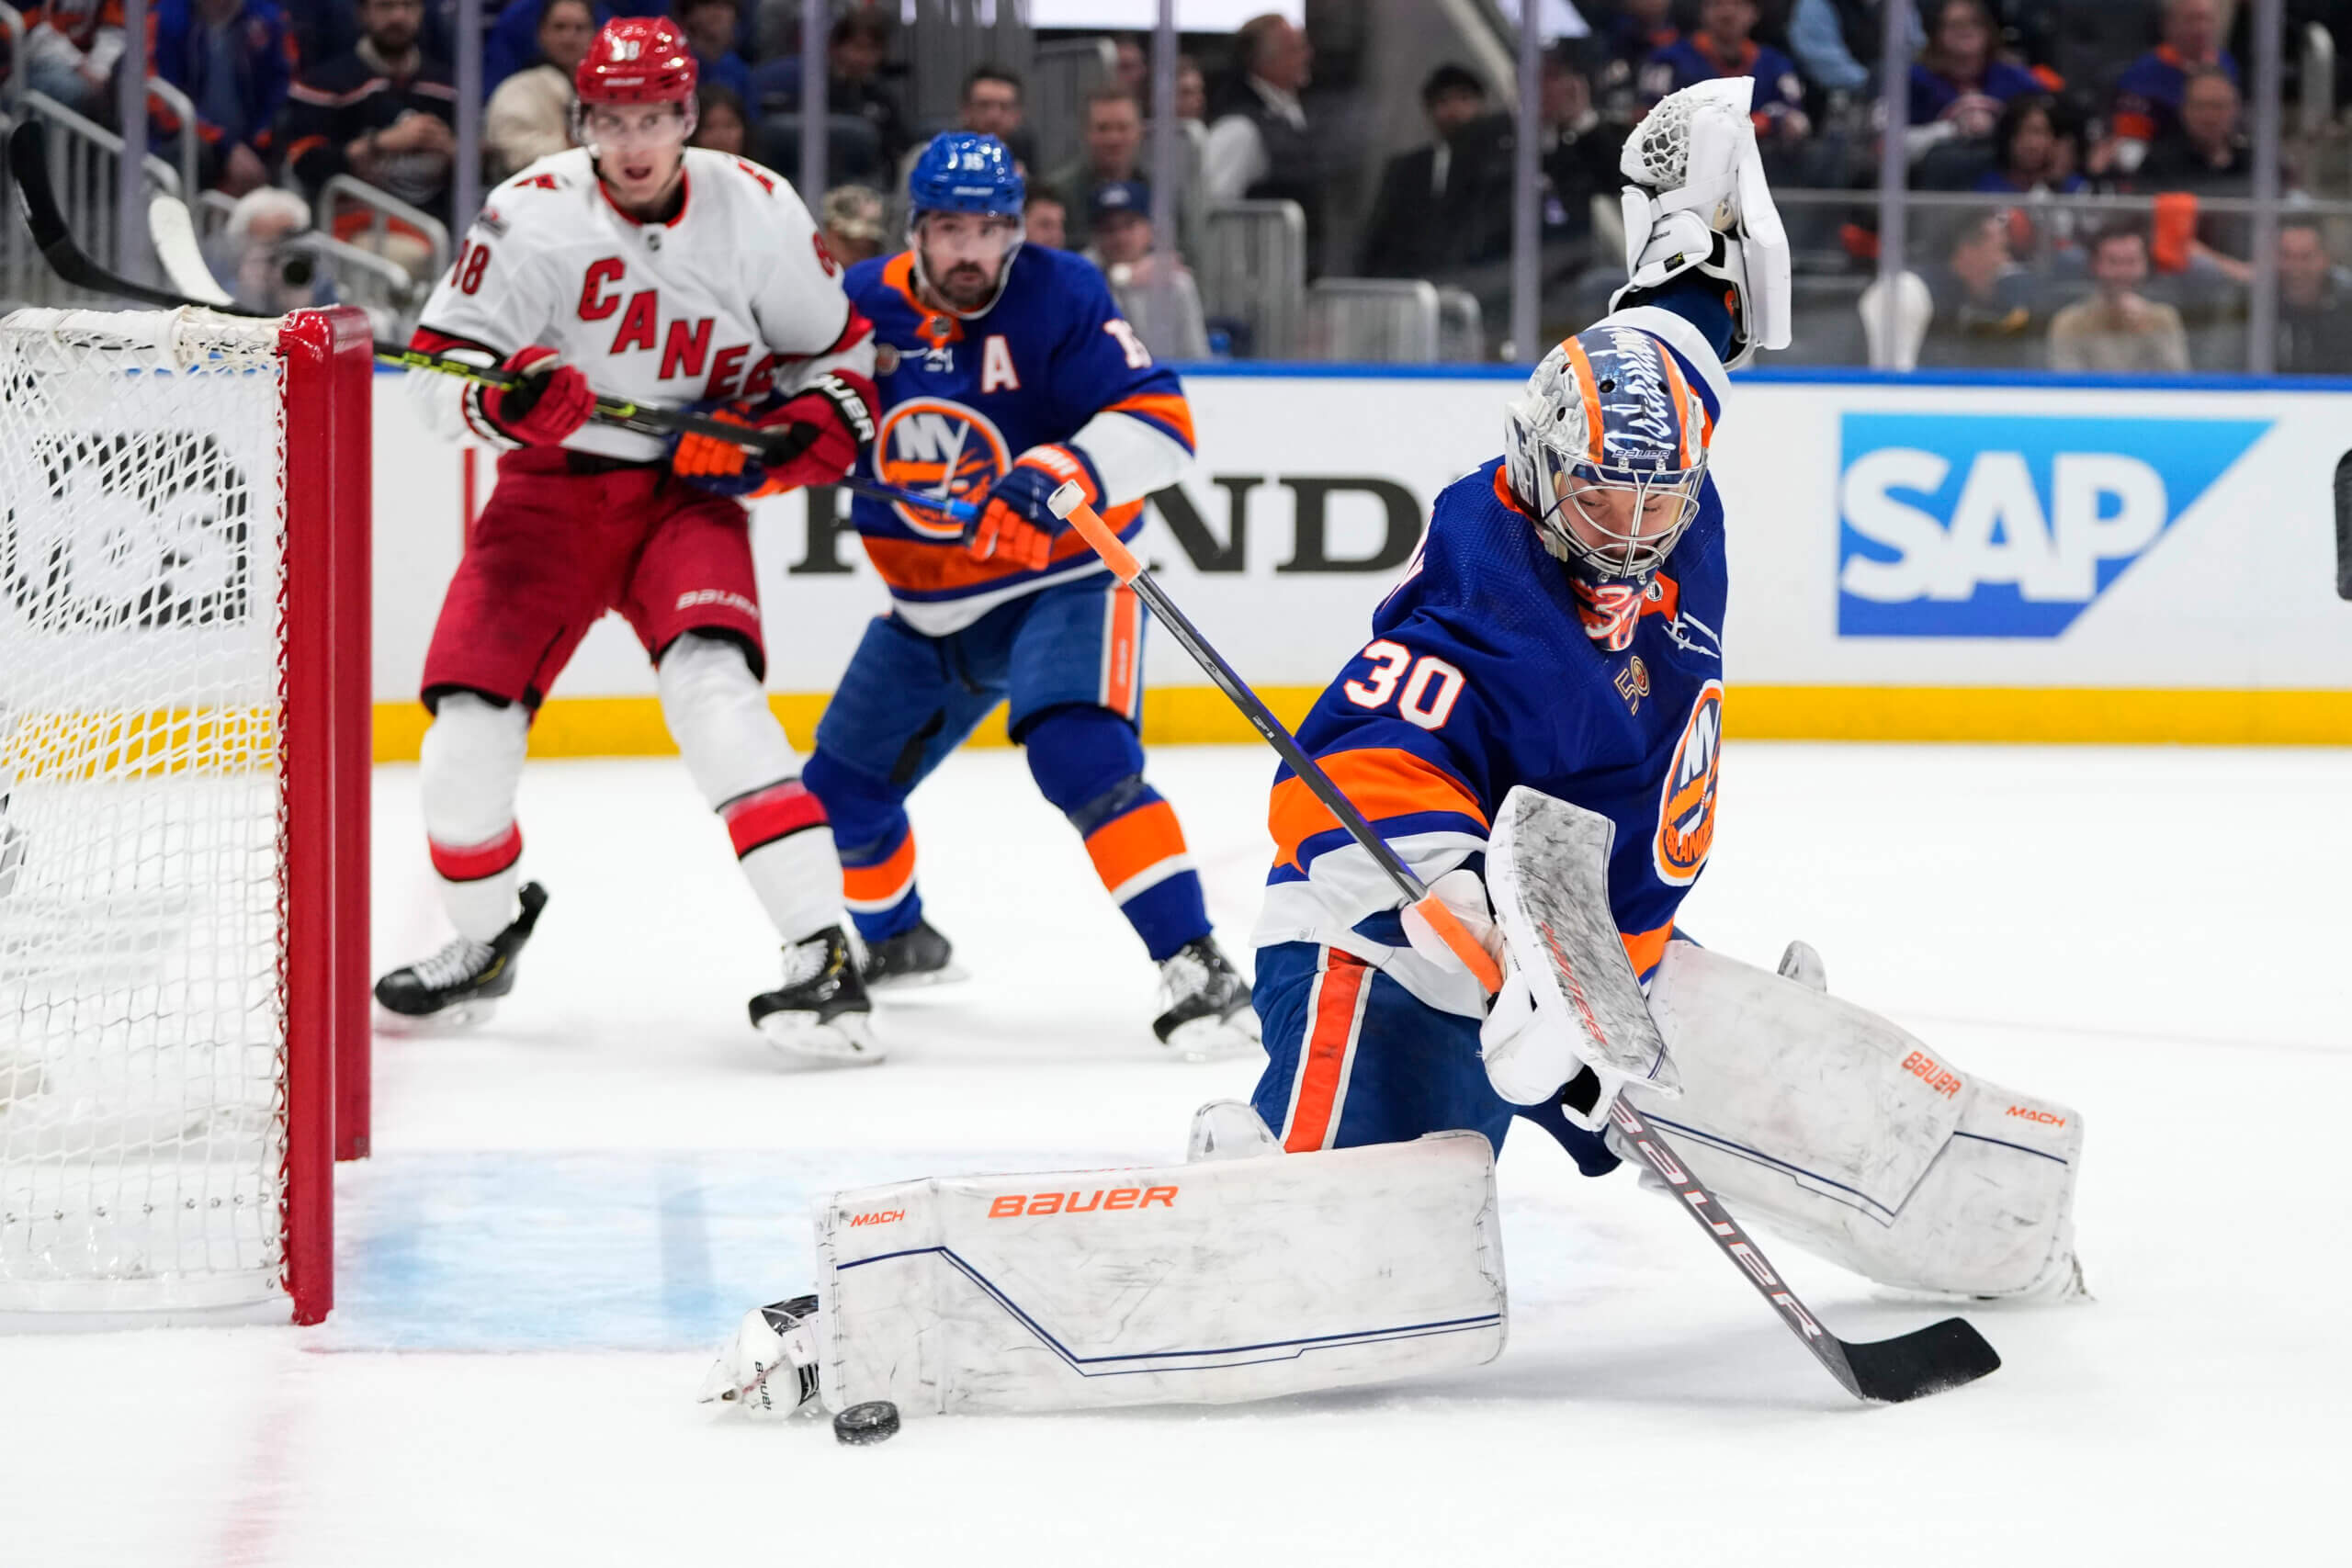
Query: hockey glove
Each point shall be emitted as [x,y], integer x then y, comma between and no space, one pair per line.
[1016,525]
[837,410]
[549,402]
[823,428]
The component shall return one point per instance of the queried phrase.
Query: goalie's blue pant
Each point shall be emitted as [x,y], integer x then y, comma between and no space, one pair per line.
[1353,1057]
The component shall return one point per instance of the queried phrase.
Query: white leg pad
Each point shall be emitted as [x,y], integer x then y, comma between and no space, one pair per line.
[1838,1130]
[467,768]
[1229,1278]
[736,752]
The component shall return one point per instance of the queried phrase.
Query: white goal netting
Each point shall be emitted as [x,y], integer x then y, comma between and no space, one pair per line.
[142,1013]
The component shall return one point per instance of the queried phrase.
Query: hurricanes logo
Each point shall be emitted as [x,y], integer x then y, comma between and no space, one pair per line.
[1686,809]
[942,449]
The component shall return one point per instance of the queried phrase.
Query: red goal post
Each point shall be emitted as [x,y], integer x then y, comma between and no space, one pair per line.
[185,754]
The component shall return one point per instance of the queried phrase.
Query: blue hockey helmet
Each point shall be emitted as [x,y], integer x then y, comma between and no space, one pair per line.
[963,171]
[1608,448]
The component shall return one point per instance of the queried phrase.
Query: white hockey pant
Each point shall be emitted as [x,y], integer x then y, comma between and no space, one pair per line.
[1838,1130]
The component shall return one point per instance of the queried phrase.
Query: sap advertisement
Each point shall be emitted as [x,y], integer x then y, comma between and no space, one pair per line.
[1883,537]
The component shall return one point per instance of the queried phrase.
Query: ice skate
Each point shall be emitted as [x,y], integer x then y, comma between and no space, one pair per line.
[1207,1014]
[820,1011]
[769,1369]
[461,985]
[912,958]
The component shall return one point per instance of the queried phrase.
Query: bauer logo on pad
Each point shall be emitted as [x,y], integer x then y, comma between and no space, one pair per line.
[1998,526]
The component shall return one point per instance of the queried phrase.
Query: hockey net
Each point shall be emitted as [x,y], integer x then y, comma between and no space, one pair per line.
[183,710]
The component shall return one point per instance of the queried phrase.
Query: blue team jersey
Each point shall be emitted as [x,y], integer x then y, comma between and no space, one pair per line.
[963,398]
[1931,94]
[1684,64]
[2148,94]
[1478,676]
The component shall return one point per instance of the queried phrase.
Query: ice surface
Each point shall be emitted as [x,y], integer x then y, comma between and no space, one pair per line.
[568,1210]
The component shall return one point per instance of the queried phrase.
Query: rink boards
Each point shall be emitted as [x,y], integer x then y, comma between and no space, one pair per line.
[1940,558]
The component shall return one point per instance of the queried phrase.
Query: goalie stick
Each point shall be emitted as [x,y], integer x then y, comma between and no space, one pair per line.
[36,196]
[1908,1366]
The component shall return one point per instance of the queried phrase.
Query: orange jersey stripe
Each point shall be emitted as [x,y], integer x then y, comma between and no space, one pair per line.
[1121,652]
[1381,780]
[1125,847]
[881,883]
[1647,948]
[934,327]
[1333,1018]
[934,566]
[1169,408]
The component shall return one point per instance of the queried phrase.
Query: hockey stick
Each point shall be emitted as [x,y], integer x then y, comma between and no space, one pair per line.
[2344,526]
[28,162]
[1068,503]
[948,506]
[1909,1366]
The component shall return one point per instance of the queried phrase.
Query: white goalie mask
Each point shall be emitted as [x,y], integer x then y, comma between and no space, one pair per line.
[1608,448]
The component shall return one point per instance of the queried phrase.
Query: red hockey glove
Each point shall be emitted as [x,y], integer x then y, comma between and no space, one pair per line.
[1017,526]
[837,410]
[549,402]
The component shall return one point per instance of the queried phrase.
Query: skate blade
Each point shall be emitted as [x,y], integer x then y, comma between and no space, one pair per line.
[1215,1039]
[455,1019]
[848,1041]
[947,975]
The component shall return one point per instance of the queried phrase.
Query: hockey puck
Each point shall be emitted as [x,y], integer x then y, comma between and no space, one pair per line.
[874,1422]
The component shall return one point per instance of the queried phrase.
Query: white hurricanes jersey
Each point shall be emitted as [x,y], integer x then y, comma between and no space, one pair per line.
[733,297]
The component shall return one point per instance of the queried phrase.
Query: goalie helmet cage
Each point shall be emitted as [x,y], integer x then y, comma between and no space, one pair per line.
[183,773]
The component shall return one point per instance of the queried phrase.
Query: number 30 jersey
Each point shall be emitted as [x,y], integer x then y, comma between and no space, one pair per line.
[1052,362]
[732,298]
[1480,675]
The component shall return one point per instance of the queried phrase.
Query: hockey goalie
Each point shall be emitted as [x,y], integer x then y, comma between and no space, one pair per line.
[1532,726]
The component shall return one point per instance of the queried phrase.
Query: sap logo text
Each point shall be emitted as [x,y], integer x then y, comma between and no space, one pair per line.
[880,1217]
[1013,1204]
[2034,1113]
[1932,1073]
[1983,525]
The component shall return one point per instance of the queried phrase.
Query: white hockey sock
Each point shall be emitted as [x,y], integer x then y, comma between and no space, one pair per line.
[469,767]
[738,756]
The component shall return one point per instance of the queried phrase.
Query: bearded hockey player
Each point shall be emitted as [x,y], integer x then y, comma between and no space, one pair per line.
[1006,371]
[644,270]
[1560,630]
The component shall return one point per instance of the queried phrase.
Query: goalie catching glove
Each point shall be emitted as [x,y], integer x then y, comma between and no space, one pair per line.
[1699,203]
[830,424]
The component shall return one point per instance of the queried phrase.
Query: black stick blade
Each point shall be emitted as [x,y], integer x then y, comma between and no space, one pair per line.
[1928,1361]
[2344,526]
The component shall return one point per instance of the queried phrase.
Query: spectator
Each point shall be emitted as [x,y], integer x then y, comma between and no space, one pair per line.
[1983,312]
[1837,43]
[2038,150]
[1578,151]
[855,51]
[2119,329]
[1120,216]
[1723,47]
[529,116]
[992,107]
[1421,223]
[70,47]
[721,123]
[1045,216]
[385,113]
[2314,305]
[233,58]
[1957,85]
[1260,146]
[710,27]
[2148,94]
[1637,31]
[1191,97]
[1114,149]
[1133,72]
[271,269]
[852,223]
[2205,153]
[511,43]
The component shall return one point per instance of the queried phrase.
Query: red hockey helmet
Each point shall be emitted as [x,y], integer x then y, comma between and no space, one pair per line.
[638,60]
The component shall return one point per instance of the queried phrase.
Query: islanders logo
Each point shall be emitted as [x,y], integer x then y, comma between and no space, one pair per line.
[1686,807]
[941,448]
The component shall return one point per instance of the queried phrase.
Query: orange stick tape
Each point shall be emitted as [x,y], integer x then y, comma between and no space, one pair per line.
[1449,927]
[1070,504]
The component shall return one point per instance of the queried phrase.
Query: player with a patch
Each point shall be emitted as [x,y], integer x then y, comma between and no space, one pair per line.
[1006,372]
[1559,630]
[661,274]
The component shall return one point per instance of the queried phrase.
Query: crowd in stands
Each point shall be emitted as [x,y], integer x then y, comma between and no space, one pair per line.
[2013,105]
